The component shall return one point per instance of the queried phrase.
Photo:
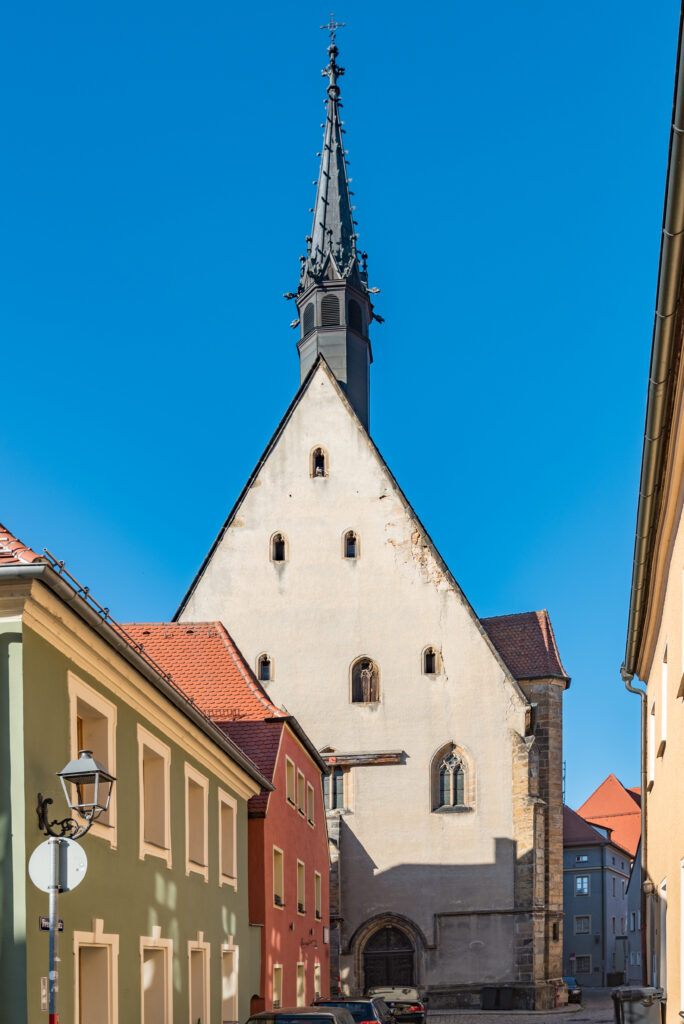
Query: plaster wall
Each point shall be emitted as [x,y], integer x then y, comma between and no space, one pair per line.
[665,767]
[318,612]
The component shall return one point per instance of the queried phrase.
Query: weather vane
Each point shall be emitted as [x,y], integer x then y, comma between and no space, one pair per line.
[332,27]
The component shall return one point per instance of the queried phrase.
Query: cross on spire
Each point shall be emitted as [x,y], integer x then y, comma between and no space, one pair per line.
[332,27]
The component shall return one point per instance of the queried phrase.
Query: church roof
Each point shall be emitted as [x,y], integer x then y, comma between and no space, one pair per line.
[202,658]
[13,552]
[527,644]
[613,806]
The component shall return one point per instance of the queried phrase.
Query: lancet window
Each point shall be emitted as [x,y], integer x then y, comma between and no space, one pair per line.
[319,462]
[365,682]
[351,545]
[278,548]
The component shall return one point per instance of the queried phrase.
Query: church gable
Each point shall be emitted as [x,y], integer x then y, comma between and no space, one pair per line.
[321,436]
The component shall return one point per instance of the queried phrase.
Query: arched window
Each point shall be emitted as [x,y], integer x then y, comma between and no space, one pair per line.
[355,316]
[430,661]
[308,319]
[351,545]
[319,462]
[330,311]
[452,780]
[278,548]
[365,682]
[264,668]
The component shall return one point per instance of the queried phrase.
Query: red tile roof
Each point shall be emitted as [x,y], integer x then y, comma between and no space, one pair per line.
[203,660]
[527,644]
[13,552]
[260,741]
[617,808]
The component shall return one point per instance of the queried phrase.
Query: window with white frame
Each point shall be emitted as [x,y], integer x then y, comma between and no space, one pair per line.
[156,966]
[154,766]
[96,984]
[277,986]
[92,726]
[278,878]
[229,983]
[582,924]
[198,979]
[583,965]
[334,789]
[310,803]
[227,839]
[317,895]
[301,888]
[290,785]
[651,745]
[301,984]
[582,885]
[317,980]
[301,793]
[662,923]
[196,824]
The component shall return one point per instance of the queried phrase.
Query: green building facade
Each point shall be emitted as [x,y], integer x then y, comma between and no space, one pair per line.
[158,931]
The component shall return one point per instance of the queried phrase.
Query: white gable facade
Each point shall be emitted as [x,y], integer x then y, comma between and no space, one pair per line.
[461,880]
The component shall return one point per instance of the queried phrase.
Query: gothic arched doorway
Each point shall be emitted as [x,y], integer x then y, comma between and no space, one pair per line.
[388,958]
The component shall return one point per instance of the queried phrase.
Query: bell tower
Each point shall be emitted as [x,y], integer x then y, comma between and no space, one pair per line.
[333,298]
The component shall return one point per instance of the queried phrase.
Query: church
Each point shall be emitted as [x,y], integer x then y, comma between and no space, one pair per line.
[443,731]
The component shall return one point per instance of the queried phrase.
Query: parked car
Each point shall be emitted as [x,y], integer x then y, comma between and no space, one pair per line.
[574,991]
[303,1015]
[404,1002]
[364,1011]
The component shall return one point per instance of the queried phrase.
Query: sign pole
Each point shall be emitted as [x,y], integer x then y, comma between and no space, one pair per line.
[53,925]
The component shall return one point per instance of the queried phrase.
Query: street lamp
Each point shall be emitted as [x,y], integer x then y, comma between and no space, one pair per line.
[87,787]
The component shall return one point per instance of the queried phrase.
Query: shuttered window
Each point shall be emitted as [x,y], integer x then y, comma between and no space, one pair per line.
[330,311]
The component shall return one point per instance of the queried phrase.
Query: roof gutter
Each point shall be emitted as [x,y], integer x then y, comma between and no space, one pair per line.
[664,358]
[44,572]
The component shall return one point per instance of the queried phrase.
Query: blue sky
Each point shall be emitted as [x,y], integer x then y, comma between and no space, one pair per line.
[509,167]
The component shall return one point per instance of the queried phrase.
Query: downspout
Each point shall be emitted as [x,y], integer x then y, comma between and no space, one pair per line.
[644,897]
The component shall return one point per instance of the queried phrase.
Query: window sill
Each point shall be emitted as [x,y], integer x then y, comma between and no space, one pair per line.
[364,703]
[661,748]
[278,906]
[193,868]
[452,810]
[291,802]
[151,850]
[649,787]
[311,822]
[230,880]
[300,812]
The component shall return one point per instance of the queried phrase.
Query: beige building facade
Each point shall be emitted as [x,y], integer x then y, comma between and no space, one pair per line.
[655,641]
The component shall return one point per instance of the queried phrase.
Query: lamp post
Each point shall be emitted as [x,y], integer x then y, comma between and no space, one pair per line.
[87,787]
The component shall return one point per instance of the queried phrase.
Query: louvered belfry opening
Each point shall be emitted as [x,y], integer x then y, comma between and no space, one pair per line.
[330,311]
[309,320]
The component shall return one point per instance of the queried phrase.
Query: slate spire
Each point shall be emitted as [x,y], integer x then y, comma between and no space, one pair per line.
[333,230]
[333,298]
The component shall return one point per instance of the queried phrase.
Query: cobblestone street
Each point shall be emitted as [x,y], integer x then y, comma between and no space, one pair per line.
[597,1008]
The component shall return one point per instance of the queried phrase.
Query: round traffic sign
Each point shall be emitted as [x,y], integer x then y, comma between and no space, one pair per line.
[73,865]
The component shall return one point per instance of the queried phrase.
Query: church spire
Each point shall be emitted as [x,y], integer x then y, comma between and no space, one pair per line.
[333,299]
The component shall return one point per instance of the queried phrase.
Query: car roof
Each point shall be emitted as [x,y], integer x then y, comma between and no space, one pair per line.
[302,1011]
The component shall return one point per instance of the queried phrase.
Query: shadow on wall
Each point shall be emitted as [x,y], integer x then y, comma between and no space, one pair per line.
[436,899]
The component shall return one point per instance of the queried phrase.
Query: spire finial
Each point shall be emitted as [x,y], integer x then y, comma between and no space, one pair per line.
[332,27]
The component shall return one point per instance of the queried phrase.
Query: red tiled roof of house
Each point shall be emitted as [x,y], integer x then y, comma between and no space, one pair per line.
[260,741]
[203,660]
[527,644]
[13,552]
[578,832]
[617,808]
